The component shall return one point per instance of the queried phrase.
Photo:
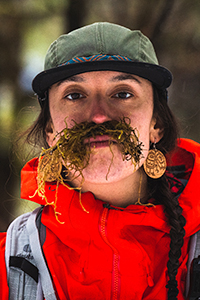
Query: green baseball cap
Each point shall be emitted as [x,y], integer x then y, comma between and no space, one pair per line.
[100,47]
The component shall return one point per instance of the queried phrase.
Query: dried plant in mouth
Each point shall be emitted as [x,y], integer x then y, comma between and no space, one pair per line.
[71,153]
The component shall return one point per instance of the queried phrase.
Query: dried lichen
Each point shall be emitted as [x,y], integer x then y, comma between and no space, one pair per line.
[71,153]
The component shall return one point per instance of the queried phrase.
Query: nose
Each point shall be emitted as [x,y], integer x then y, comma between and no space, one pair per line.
[99,111]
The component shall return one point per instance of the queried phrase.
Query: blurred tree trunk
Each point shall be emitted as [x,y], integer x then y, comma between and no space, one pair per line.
[74,15]
[10,37]
[162,19]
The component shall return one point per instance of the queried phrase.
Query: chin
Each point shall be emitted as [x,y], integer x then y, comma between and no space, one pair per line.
[103,174]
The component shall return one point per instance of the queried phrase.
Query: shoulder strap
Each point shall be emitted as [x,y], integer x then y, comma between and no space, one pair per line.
[46,282]
[22,272]
[193,273]
[197,248]
[28,275]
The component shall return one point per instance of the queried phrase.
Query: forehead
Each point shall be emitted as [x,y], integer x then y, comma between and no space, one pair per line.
[108,76]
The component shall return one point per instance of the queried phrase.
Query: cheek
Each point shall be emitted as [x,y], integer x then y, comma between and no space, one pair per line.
[58,111]
[58,121]
[65,118]
[59,116]
[142,122]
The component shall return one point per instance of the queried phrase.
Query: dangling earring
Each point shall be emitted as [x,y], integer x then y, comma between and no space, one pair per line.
[155,165]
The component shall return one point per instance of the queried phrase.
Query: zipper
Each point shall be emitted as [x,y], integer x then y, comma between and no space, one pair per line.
[115,293]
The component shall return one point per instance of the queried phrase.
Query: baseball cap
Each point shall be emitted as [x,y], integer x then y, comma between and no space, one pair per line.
[101,46]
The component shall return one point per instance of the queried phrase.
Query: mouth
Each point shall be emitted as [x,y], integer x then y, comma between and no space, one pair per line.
[99,141]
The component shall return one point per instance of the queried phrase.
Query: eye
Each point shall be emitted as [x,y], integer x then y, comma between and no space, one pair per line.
[74,96]
[122,95]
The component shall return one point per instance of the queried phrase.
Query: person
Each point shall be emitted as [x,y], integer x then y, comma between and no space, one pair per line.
[117,186]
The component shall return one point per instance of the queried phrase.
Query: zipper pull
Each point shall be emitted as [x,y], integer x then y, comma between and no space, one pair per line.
[81,275]
[150,280]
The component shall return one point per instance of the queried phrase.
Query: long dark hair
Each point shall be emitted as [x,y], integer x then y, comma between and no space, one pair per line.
[158,189]
[36,135]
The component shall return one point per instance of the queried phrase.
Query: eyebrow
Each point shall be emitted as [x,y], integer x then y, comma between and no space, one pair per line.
[125,76]
[79,78]
[74,78]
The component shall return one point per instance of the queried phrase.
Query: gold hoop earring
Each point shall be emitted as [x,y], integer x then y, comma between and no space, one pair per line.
[155,165]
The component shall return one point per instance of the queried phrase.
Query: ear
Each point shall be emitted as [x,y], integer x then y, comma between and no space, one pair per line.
[155,133]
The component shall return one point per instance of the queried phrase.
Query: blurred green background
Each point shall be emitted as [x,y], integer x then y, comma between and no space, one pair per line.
[27,27]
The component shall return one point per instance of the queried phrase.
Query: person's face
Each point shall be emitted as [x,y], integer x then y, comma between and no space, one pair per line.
[99,97]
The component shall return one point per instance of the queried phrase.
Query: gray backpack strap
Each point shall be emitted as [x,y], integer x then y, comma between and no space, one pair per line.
[197,248]
[21,285]
[27,273]
[44,275]
[193,273]
[193,241]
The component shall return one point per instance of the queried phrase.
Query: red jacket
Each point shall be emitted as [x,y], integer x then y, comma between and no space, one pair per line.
[111,253]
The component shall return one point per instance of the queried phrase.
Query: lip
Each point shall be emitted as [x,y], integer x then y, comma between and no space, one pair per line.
[98,138]
[98,142]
